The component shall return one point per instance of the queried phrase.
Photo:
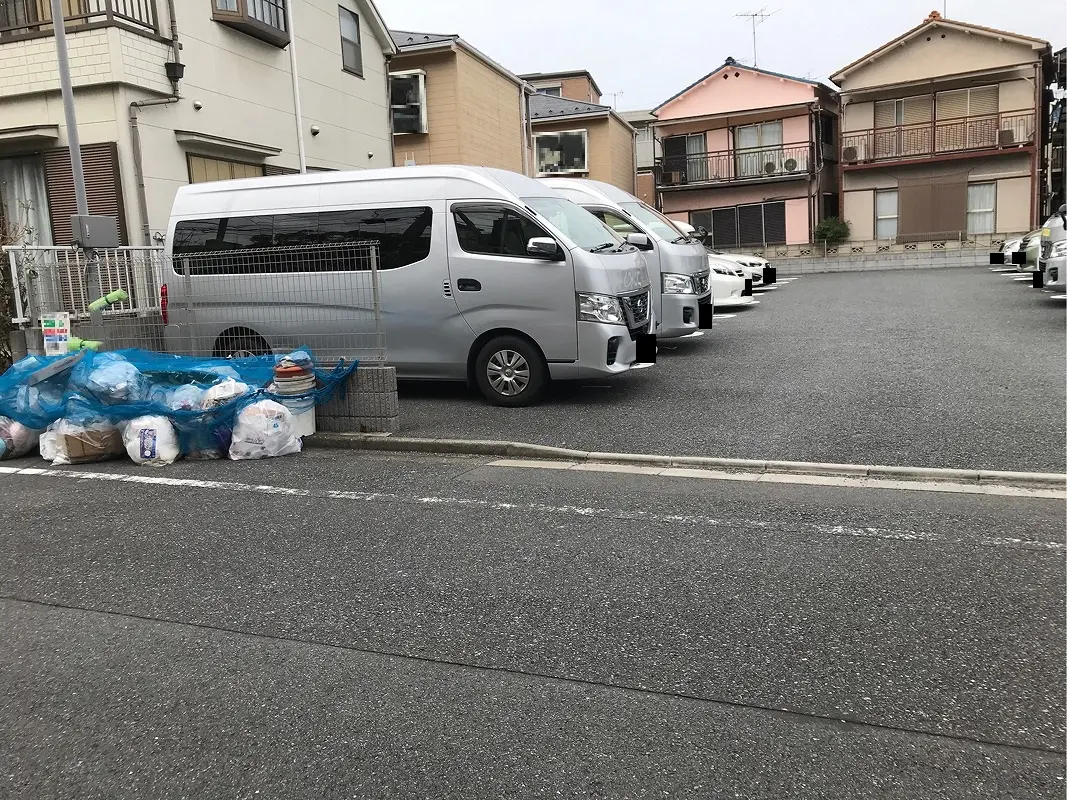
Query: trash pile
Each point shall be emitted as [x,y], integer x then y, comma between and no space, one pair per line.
[156,408]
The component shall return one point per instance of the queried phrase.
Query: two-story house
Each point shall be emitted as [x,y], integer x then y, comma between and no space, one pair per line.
[749,154]
[574,134]
[452,104]
[647,153]
[169,92]
[940,136]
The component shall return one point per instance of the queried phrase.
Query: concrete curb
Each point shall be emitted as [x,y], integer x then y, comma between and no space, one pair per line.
[473,447]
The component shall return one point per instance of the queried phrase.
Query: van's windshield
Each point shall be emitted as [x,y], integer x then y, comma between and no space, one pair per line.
[655,222]
[577,224]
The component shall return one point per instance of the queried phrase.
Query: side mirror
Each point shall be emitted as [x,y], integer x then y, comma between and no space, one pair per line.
[543,247]
[639,240]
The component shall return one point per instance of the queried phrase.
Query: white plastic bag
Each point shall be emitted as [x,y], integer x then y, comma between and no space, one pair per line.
[78,443]
[183,398]
[16,440]
[116,380]
[151,440]
[223,392]
[48,443]
[264,429]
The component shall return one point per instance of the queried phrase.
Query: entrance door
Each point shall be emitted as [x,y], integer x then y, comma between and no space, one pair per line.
[497,285]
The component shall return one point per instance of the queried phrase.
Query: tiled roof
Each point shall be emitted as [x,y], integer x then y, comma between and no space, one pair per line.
[412,38]
[542,106]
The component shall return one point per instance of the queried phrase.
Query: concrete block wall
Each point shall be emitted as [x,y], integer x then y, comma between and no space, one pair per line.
[882,261]
[367,404]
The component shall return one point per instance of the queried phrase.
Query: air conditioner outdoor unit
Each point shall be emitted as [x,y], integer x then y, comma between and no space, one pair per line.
[854,153]
[790,165]
[672,178]
[770,167]
[1006,137]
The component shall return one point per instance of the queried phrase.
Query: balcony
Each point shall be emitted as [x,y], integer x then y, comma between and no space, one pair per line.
[756,165]
[926,140]
[27,19]
[262,19]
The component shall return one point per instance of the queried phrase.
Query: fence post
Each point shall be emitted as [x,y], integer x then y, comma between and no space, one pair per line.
[376,291]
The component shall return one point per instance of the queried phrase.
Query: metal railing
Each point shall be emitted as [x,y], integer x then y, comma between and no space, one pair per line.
[987,132]
[737,164]
[27,18]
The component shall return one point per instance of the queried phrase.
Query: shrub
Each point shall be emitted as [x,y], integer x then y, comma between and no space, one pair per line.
[832,230]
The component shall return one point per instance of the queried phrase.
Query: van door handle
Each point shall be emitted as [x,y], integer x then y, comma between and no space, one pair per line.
[468,285]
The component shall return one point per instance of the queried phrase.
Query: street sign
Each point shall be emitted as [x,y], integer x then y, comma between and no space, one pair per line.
[55,326]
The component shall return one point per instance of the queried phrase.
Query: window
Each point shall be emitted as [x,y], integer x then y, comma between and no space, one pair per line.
[757,146]
[407,97]
[202,169]
[494,231]
[263,19]
[561,152]
[644,134]
[620,225]
[551,91]
[403,236]
[981,207]
[351,49]
[756,224]
[828,129]
[885,214]
[24,208]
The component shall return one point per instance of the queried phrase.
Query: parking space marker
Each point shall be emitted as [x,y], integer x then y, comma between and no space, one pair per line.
[725,316]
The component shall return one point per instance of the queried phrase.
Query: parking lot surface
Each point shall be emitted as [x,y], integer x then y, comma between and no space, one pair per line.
[957,368]
[341,624]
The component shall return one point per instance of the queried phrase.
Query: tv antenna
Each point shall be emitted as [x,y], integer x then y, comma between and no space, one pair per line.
[757,18]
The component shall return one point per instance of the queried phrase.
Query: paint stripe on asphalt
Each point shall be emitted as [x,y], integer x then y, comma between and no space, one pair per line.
[689,521]
[781,477]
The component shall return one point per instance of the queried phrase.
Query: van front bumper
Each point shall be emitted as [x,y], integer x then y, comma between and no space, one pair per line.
[603,351]
[1054,270]
[681,315]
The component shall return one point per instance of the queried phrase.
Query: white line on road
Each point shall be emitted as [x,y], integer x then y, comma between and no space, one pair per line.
[725,316]
[686,520]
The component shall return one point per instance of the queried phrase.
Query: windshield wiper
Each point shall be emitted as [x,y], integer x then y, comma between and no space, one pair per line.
[600,248]
[681,239]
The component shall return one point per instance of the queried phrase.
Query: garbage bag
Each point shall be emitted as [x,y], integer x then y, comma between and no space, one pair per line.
[16,440]
[264,429]
[184,398]
[151,440]
[114,380]
[85,442]
[223,392]
[48,443]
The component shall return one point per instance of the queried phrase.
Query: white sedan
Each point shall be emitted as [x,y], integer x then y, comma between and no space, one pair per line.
[750,266]
[727,285]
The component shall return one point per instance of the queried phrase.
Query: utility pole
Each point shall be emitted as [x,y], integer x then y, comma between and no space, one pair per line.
[756,18]
[301,154]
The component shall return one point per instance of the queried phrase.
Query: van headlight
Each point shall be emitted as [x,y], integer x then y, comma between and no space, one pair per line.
[677,284]
[1059,249]
[599,308]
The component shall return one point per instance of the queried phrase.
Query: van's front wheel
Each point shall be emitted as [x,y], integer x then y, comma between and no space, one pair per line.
[510,372]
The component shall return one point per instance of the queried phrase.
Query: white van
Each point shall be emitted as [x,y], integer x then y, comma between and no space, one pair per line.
[486,276]
[678,265]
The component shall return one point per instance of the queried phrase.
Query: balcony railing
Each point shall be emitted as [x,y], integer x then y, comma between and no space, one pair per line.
[29,18]
[730,166]
[926,139]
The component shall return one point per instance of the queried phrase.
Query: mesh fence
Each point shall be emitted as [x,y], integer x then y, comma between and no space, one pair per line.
[250,301]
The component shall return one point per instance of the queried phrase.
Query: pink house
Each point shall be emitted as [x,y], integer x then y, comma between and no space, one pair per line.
[750,155]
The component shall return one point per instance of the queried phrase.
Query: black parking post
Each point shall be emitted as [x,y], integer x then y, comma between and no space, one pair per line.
[770,274]
[1039,279]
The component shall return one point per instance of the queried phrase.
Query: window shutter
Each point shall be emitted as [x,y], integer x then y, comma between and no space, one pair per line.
[774,222]
[275,169]
[885,114]
[985,101]
[917,109]
[103,188]
[724,227]
[750,225]
[952,105]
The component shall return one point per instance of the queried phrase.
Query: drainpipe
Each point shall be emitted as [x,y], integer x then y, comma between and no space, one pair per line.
[389,110]
[524,116]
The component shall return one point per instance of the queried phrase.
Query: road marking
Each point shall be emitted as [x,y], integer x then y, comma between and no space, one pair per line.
[783,477]
[1057,297]
[725,316]
[689,521]
[1002,269]
[692,335]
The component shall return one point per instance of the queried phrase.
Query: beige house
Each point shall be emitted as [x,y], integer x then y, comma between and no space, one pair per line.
[451,104]
[941,133]
[163,101]
[579,138]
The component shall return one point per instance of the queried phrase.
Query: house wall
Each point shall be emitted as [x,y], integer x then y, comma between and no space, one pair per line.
[736,89]
[858,210]
[678,204]
[490,119]
[244,87]
[623,166]
[579,88]
[441,143]
[935,52]
[605,157]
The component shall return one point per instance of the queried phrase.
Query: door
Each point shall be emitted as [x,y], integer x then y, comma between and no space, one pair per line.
[674,157]
[697,163]
[497,285]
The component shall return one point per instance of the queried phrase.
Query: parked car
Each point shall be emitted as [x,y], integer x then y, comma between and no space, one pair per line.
[1053,258]
[752,267]
[485,276]
[677,263]
[1011,252]
[727,285]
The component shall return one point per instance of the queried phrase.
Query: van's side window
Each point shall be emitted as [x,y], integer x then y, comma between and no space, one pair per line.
[403,236]
[494,231]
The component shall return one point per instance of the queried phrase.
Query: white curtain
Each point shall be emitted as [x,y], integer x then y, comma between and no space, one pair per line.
[981,207]
[24,200]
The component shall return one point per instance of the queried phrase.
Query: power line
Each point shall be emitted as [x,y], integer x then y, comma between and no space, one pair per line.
[756,18]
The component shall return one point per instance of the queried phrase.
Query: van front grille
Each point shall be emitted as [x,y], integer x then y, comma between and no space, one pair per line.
[701,282]
[635,307]
[1046,248]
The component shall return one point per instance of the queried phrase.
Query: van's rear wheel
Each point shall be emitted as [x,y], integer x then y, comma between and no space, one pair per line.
[510,372]
[240,344]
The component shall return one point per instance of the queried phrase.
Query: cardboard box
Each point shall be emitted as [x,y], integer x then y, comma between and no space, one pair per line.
[93,445]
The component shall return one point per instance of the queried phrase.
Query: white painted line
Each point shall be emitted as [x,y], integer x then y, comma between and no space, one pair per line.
[693,335]
[810,480]
[641,365]
[1057,297]
[725,316]
[1002,269]
[694,522]
[754,303]
[534,463]
[1024,278]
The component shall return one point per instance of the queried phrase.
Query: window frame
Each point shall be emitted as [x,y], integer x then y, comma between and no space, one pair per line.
[895,216]
[423,105]
[358,43]
[547,90]
[244,21]
[230,161]
[508,210]
[585,149]
[992,211]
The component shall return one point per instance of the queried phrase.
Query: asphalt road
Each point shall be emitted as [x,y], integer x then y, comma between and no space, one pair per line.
[358,625]
[958,368]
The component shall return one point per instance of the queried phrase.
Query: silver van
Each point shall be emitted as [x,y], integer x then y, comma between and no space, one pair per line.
[678,264]
[1053,259]
[486,276]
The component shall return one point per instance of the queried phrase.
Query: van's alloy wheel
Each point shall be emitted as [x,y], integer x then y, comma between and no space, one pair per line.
[509,371]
